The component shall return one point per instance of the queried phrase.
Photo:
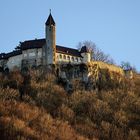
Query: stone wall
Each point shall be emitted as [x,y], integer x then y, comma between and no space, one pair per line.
[50,50]
[14,61]
[104,76]
[97,68]
[102,65]
[32,57]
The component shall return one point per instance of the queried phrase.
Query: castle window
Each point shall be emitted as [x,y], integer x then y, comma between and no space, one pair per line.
[72,58]
[68,57]
[60,56]
[25,55]
[50,28]
[39,53]
[31,54]
[64,56]
[79,60]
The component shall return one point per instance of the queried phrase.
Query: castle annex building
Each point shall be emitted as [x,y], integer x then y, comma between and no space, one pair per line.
[42,52]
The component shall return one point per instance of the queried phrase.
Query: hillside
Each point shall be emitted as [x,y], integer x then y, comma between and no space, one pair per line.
[47,112]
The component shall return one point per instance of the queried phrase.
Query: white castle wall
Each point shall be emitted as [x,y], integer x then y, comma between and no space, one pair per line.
[33,56]
[64,58]
[32,53]
[86,57]
[14,61]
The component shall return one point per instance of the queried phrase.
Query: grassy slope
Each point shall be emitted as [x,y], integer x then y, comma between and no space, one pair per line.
[48,113]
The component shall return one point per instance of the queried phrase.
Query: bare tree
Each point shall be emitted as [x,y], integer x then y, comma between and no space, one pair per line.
[96,53]
[127,66]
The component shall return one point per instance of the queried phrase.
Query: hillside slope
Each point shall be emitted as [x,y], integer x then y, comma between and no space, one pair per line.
[47,112]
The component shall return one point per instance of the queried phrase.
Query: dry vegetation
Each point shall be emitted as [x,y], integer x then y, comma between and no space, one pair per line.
[48,113]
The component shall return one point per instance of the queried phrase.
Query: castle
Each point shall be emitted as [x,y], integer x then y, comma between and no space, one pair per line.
[45,52]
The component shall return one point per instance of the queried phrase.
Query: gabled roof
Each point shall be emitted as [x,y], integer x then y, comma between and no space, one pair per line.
[32,44]
[50,20]
[13,53]
[10,54]
[69,51]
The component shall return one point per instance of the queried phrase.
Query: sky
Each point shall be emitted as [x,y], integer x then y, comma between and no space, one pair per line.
[113,25]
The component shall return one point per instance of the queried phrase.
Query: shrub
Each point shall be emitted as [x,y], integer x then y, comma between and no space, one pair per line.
[66,113]
[49,113]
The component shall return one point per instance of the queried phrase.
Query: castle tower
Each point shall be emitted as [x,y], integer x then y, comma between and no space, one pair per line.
[85,52]
[50,50]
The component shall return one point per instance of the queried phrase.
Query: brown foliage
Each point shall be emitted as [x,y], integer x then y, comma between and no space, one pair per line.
[49,113]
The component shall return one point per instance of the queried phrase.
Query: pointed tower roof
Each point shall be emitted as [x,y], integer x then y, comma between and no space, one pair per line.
[50,20]
[85,49]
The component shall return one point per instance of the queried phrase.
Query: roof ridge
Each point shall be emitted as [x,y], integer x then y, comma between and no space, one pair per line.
[34,39]
[68,47]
